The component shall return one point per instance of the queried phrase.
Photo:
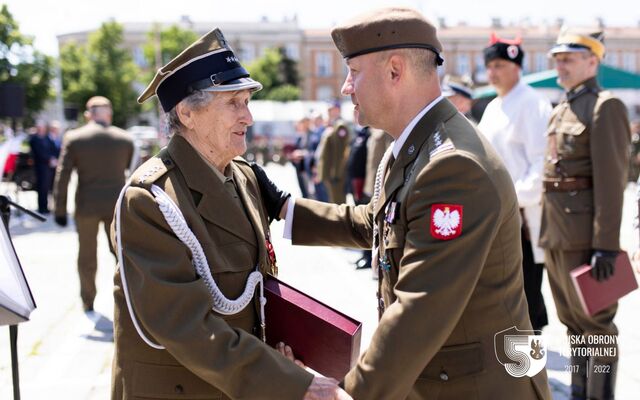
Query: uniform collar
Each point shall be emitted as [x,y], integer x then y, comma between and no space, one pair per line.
[590,85]
[398,143]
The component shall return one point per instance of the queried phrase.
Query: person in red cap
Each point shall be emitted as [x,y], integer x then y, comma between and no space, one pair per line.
[515,123]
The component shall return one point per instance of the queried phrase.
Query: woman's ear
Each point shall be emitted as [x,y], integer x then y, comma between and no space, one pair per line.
[185,115]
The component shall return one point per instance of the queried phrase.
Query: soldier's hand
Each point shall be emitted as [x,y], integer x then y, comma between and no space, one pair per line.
[603,263]
[323,388]
[288,352]
[61,220]
[274,198]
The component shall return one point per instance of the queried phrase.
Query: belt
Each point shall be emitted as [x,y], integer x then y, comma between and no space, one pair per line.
[567,184]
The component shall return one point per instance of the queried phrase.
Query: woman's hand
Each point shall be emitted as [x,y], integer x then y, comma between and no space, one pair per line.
[288,352]
[274,198]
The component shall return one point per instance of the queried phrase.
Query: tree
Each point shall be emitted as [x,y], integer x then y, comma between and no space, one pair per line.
[278,74]
[20,63]
[101,67]
[170,42]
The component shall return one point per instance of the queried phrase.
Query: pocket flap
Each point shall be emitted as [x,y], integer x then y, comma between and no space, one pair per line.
[454,362]
[154,381]
[571,128]
[395,237]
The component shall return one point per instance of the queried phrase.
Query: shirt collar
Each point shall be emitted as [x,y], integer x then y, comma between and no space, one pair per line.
[398,143]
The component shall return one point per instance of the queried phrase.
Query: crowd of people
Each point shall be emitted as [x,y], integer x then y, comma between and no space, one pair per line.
[457,219]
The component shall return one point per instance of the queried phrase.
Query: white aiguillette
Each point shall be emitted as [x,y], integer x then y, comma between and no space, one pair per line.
[16,300]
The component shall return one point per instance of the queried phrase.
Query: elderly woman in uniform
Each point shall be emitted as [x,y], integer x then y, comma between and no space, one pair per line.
[191,232]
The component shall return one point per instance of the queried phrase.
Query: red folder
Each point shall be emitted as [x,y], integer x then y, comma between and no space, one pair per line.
[324,339]
[596,296]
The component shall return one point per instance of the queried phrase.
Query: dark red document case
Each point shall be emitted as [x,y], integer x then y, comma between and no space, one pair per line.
[596,296]
[324,339]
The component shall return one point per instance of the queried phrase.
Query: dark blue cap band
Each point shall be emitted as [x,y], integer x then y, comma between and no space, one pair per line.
[198,75]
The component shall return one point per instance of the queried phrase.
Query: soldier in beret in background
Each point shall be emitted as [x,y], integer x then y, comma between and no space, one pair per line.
[444,223]
[192,237]
[101,154]
[584,179]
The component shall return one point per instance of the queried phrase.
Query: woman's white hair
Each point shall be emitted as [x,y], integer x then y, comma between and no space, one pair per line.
[195,101]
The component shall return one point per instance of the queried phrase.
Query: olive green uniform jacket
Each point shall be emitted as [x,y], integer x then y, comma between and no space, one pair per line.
[588,137]
[207,355]
[333,152]
[100,155]
[442,300]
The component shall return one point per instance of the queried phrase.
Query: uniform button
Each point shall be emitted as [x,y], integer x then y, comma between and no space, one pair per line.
[444,376]
[556,184]
[179,389]
[167,161]
[567,210]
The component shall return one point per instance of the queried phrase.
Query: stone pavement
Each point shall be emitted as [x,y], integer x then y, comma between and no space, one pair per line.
[66,355]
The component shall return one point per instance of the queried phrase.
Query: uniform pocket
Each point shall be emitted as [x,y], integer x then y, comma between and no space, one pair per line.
[568,219]
[455,362]
[152,381]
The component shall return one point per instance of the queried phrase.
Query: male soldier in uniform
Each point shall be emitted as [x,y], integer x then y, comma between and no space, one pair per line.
[584,180]
[445,226]
[459,91]
[100,153]
[333,151]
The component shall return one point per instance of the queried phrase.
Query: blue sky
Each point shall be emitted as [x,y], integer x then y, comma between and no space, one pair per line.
[44,19]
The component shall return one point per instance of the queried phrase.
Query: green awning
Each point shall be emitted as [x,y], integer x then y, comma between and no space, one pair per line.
[609,78]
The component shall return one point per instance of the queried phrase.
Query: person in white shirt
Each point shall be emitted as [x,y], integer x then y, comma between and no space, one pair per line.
[515,123]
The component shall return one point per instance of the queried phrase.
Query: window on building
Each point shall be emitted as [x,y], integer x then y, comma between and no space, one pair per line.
[463,66]
[629,61]
[293,51]
[611,59]
[247,52]
[324,62]
[324,93]
[541,62]
[479,70]
[138,57]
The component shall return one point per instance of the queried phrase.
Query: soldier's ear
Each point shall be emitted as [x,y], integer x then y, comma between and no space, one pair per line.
[185,115]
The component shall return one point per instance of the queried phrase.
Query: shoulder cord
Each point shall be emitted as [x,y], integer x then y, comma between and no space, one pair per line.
[377,187]
[176,221]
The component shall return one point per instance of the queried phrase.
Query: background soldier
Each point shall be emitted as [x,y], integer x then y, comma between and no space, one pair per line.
[333,152]
[100,153]
[459,91]
[515,123]
[584,180]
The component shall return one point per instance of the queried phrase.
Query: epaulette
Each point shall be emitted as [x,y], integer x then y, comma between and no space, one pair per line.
[439,142]
[153,169]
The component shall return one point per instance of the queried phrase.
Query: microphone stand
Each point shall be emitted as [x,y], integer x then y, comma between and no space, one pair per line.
[5,213]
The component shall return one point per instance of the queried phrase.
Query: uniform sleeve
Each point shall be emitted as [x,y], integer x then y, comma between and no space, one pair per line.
[414,328]
[174,307]
[65,166]
[610,136]
[529,186]
[332,224]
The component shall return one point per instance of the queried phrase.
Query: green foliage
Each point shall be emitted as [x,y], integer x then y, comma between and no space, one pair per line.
[278,74]
[20,63]
[171,41]
[102,67]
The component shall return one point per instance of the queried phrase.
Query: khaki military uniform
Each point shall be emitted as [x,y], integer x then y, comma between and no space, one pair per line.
[207,355]
[100,155]
[378,143]
[441,301]
[585,176]
[333,152]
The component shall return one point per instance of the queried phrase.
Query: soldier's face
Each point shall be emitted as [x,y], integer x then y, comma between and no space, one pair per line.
[575,68]
[364,85]
[220,127]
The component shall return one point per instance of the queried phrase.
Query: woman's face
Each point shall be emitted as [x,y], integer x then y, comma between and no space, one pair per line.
[219,129]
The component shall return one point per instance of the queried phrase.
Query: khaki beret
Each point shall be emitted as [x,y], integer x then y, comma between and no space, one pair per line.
[98,101]
[208,64]
[386,29]
[571,40]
